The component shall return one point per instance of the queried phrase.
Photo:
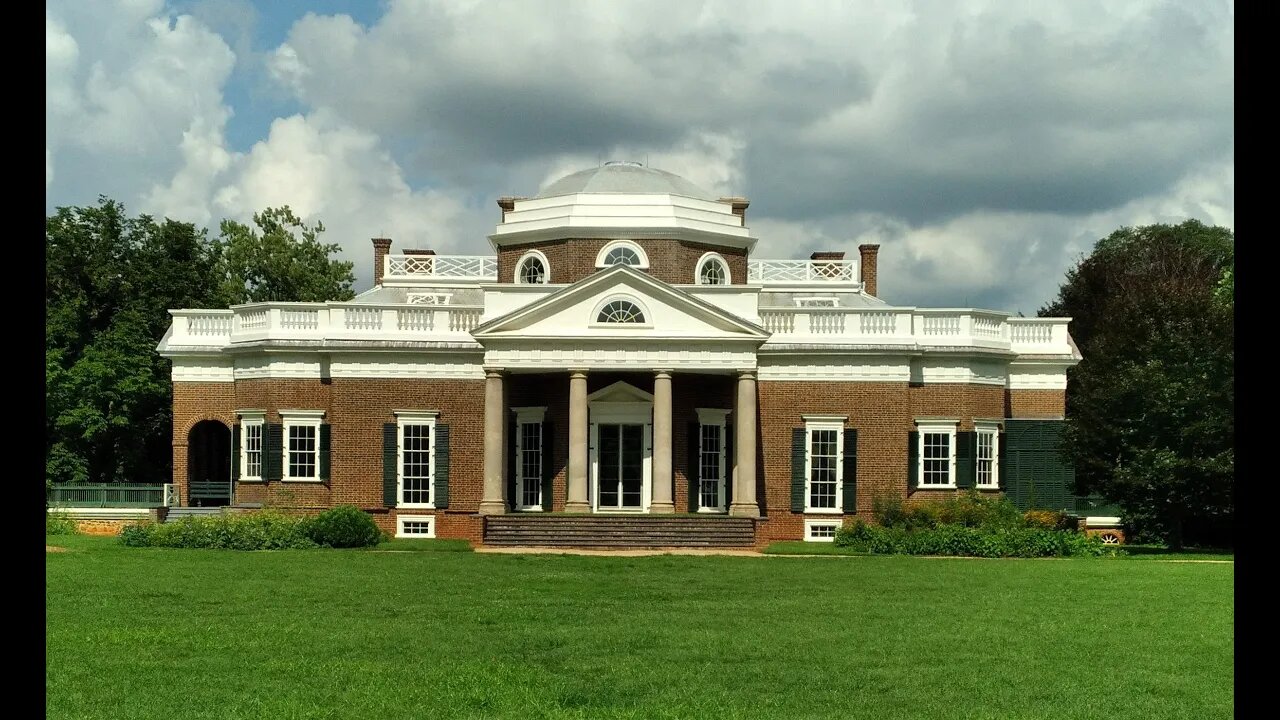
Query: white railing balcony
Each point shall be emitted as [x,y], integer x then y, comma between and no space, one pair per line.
[453,268]
[803,272]
[318,322]
[919,327]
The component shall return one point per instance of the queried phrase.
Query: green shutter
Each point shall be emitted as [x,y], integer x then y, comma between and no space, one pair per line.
[798,439]
[442,467]
[1002,461]
[324,451]
[850,500]
[548,466]
[273,451]
[913,461]
[513,492]
[966,459]
[389,455]
[693,469]
[235,452]
[1034,472]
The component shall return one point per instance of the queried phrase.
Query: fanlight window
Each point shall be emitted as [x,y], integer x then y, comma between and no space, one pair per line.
[620,311]
[532,271]
[623,255]
[712,272]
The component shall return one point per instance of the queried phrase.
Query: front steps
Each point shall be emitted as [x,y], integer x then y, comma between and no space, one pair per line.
[177,513]
[619,531]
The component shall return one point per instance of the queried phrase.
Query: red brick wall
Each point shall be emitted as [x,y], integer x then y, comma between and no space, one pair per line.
[671,261]
[1035,403]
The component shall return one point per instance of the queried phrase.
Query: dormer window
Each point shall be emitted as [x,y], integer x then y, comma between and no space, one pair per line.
[712,270]
[533,269]
[622,252]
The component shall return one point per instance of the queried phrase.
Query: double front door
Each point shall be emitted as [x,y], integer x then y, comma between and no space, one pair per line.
[621,456]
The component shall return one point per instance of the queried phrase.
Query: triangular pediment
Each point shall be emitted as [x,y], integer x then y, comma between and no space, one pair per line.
[620,392]
[574,312]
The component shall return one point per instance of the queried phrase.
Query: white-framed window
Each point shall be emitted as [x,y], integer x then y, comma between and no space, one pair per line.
[824,464]
[415,526]
[415,458]
[252,436]
[937,454]
[820,530]
[712,269]
[621,310]
[815,302]
[301,451]
[622,252]
[533,269]
[421,298]
[712,464]
[529,457]
[987,454]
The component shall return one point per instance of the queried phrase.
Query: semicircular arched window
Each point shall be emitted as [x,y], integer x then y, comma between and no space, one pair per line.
[712,272]
[623,255]
[620,311]
[533,271]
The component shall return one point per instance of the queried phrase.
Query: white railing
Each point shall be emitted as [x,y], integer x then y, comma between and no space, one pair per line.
[794,272]
[443,267]
[914,326]
[317,322]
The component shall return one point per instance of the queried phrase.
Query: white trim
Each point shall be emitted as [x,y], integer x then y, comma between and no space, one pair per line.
[258,419]
[416,417]
[827,423]
[980,428]
[837,419]
[528,416]
[713,417]
[724,265]
[810,523]
[936,426]
[816,367]
[594,320]
[546,268]
[203,369]
[429,519]
[290,420]
[638,412]
[604,251]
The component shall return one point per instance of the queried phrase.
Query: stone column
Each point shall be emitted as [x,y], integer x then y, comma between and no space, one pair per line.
[744,481]
[494,429]
[662,476]
[578,430]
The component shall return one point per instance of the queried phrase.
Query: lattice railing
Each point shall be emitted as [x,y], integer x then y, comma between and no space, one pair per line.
[801,271]
[479,267]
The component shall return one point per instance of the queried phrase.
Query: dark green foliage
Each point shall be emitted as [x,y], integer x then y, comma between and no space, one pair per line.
[969,509]
[345,526]
[237,531]
[1151,409]
[281,260]
[967,541]
[59,524]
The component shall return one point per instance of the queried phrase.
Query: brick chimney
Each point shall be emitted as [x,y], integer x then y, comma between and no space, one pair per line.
[508,203]
[739,205]
[381,246]
[827,255]
[417,251]
[869,254]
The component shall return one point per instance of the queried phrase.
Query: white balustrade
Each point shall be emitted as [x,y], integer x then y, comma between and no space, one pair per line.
[455,267]
[793,272]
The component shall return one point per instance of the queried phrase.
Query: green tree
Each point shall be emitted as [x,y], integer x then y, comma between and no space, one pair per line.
[282,260]
[1151,408]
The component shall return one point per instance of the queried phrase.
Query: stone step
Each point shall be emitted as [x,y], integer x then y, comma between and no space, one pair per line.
[614,531]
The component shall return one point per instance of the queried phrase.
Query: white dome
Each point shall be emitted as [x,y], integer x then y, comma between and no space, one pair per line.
[624,177]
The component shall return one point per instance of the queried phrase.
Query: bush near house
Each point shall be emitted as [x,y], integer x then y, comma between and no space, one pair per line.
[341,527]
[59,524]
[967,525]
[345,526]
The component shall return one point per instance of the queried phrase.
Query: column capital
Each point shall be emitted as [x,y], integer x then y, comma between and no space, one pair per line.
[746,374]
[494,371]
[577,372]
[659,372]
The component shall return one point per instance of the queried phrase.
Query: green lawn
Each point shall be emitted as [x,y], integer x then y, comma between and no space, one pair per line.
[152,633]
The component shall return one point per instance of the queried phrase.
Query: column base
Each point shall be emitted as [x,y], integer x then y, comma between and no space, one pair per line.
[662,508]
[491,507]
[744,510]
[577,507]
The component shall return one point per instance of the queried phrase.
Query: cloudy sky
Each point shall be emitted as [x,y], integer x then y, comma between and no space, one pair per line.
[984,145]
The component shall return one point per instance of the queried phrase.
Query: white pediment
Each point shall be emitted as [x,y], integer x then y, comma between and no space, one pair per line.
[620,392]
[667,313]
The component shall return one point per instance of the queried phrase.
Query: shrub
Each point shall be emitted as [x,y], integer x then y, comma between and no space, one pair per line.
[1047,519]
[961,540]
[345,526]
[240,531]
[59,524]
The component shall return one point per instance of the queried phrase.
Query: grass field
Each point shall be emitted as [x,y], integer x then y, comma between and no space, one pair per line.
[151,633]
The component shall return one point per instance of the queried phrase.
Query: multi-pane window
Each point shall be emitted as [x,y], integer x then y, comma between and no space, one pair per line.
[937,456]
[251,449]
[620,311]
[415,526]
[530,460]
[820,531]
[710,456]
[533,271]
[713,271]
[824,467]
[987,457]
[622,255]
[415,462]
[302,450]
